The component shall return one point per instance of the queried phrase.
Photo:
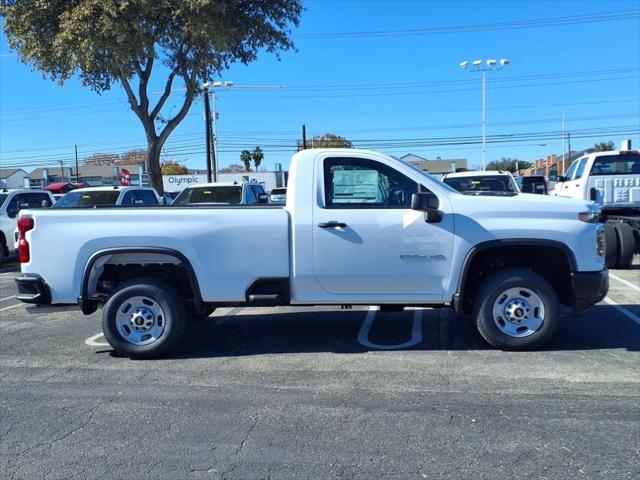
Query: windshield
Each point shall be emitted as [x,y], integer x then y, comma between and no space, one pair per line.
[216,194]
[88,199]
[3,197]
[482,183]
[625,164]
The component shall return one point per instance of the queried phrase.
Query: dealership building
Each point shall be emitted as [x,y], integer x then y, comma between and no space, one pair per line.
[95,176]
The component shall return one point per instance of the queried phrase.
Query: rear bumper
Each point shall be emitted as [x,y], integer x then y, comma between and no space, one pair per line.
[588,288]
[33,289]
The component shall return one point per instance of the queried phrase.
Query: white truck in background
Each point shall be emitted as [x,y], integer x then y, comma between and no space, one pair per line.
[358,228]
[11,202]
[611,180]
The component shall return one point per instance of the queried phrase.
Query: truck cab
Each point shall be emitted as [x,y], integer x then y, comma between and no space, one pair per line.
[109,196]
[222,193]
[611,179]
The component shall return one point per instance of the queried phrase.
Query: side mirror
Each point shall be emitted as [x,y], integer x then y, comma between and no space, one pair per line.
[427,202]
[12,211]
[424,201]
[561,178]
[593,194]
[263,198]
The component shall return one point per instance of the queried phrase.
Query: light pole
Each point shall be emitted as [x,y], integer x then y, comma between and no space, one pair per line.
[484,67]
[210,131]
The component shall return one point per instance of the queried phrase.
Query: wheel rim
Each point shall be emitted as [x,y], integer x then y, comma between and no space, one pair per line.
[518,312]
[140,320]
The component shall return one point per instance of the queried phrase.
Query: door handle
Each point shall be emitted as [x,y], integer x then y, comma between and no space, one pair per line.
[332,225]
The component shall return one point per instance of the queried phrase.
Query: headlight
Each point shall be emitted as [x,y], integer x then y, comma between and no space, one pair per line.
[600,242]
[589,217]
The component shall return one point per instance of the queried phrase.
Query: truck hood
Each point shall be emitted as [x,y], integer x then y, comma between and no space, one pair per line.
[539,206]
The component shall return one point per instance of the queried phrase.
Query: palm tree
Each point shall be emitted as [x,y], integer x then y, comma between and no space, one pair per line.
[245,157]
[257,155]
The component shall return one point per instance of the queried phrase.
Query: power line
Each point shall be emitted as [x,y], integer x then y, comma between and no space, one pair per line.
[609,16]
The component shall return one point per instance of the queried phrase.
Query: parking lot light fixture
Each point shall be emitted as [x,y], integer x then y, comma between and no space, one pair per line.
[490,65]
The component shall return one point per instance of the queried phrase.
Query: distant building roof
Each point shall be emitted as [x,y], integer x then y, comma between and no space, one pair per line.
[435,166]
[7,172]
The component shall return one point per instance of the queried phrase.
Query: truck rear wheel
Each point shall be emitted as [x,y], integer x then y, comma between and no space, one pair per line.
[610,246]
[517,309]
[144,318]
[626,243]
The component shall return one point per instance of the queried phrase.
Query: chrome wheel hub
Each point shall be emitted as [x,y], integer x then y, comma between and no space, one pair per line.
[518,312]
[140,320]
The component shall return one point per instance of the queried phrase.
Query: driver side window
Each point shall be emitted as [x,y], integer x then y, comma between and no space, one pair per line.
[363,183]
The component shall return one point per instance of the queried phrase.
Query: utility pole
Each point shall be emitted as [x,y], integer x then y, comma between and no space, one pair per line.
[569,141]
[77,171]
[484,117]
[207,121]
[304,137]
[62,170]
[214,150]
[564,152]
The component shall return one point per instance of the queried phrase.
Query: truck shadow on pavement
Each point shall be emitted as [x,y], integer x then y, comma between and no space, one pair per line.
[243,334]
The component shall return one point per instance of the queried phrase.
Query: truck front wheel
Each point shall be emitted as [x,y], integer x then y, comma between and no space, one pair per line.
[144,318]
[517,309]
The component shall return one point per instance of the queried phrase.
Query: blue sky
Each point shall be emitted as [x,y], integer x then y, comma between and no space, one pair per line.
[397,93]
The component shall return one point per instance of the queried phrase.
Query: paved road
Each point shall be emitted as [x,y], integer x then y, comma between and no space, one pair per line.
[312,394]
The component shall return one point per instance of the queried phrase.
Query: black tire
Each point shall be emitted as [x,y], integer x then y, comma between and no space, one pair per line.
[610,246]
[173,318]
[498,283]
[626,243]
[3,255]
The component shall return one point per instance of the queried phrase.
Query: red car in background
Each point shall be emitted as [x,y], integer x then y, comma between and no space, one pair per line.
[60,188]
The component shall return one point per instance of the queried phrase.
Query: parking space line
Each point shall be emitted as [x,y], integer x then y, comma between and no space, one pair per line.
[7,298]
[91,341]
[9,273]
[416,331]
[625,282]
[625,311]
[12,306]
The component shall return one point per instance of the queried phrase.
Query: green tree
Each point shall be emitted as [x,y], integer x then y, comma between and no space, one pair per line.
[329,140]
[604,146]
[171,167]
[106,42]
[245,158]
[257,156]
[234,168]
[509,164]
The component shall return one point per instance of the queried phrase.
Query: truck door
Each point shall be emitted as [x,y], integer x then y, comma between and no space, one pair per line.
[366,238]
[573,187]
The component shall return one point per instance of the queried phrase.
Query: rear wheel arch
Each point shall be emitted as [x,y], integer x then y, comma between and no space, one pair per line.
[551,259]
[154,259]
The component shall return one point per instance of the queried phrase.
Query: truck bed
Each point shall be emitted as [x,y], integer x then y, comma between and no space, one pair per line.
[225,245]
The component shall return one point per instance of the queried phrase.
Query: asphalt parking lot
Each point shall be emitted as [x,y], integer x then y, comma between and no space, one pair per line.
[316,393]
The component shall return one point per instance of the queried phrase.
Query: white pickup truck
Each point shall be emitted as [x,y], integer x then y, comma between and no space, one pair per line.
[358,228]
[612,180]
